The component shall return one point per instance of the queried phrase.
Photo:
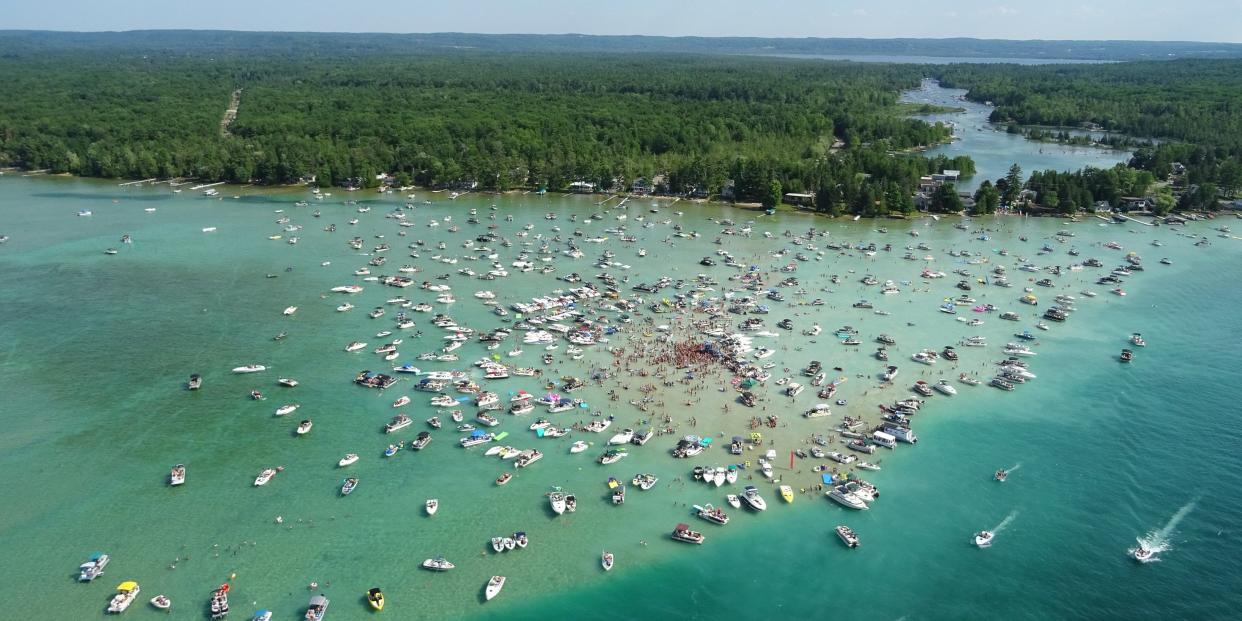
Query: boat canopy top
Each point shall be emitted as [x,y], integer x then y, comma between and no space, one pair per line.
[128,585]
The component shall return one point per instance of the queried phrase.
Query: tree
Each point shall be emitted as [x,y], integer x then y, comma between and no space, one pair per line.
[945,200]
[1013,185]
[772,197]
[986,198]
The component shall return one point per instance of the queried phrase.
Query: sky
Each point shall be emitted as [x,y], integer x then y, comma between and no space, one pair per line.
[1156,20]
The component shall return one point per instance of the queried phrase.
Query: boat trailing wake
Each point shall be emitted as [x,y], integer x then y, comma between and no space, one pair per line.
[1012,468]
[1158,540]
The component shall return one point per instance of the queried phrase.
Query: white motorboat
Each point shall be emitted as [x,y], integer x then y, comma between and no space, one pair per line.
[264,477]
[347,460]
[944,387]
[93,567]
[438,564]
[848,536]
[606,560]
[578,447]
[557,500]
[432,505]
[250,368]
[161,602]
[290,310]
[177,475]
[622,438]
[734,501]
[984,538]
[751,498]
[287,409]
[844,497]
[493,587]
[304,427]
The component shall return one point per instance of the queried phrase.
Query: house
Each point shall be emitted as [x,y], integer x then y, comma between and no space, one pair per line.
[927,184]
[582,187]
[947,176]
[801,199]
[1135,203]
[1103,207]
[726,190]
[1178,168]
[642,187]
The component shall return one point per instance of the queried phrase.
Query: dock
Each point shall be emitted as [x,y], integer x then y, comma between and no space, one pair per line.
[151,180]
[207,185]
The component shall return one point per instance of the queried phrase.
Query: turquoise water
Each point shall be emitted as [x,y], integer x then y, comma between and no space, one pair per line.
[97,347]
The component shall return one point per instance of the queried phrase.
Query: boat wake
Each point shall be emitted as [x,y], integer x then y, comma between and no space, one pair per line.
[1158,540]
[1004,523]
[1012,468]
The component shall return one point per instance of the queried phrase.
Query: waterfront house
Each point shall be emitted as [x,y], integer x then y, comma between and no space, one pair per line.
[582,187]
[801,199]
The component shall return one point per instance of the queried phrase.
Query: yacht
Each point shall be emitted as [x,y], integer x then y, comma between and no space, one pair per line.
[250,368]
[844,497]
[750,496]
[438,564]
[286,409]
[944,387]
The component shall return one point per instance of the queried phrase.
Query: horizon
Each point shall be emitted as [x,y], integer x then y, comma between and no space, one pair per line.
[1210,21]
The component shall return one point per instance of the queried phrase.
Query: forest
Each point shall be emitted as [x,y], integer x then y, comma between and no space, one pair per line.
[1190,110]
[438,119]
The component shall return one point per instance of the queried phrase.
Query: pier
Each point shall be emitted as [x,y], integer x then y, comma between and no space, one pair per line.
[207,185]
[151,180]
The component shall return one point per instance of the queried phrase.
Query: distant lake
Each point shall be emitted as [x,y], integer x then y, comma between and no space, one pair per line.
[940,60]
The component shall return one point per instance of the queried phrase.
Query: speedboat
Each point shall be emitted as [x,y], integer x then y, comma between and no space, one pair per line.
[606,560]
[1001,475]
[984,538]
[557,500]
[348,486]
[734,501]
[438,564]
[161,602]
[578,447]
[264,477]
[493,587]
[376,599]
[622,438]
[262,615]
[304,427]
[126,593]
[347,460]
[177,475]
[432,505]
[787,493]
[847,535]
[286,409]
[1142,553]
[944,387]
[249,368]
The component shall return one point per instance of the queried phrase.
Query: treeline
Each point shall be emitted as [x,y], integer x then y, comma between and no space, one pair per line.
[437,119]
[1193,109]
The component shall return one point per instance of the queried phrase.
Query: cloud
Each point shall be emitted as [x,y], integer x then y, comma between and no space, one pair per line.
[859,12]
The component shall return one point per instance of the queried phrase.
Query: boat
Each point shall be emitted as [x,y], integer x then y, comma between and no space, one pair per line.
[866,465]
[751,498]
[220,602]
[944,387]
[286,409]
[984,538]
[1137,340]
[262,615]
[161,602]
[249,368]
[504,478]
[493,587]
[848,536]
[289,310]
[787,493]
[304,427]
[196,382]
[398,422]
[606,560]
[348,486]
[376,599]
[177,475]
[403,400]
[734,501]
[683,533]
[93,567]
[432,505]
[126,593]
[1142,553]
[645,481]
[711,514]
[1001,475]
[316,608]
[843,496]
[1127,355]
[264,477]
[438,564]
[622,438]
[348,459]
[287,382]
[578,447]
